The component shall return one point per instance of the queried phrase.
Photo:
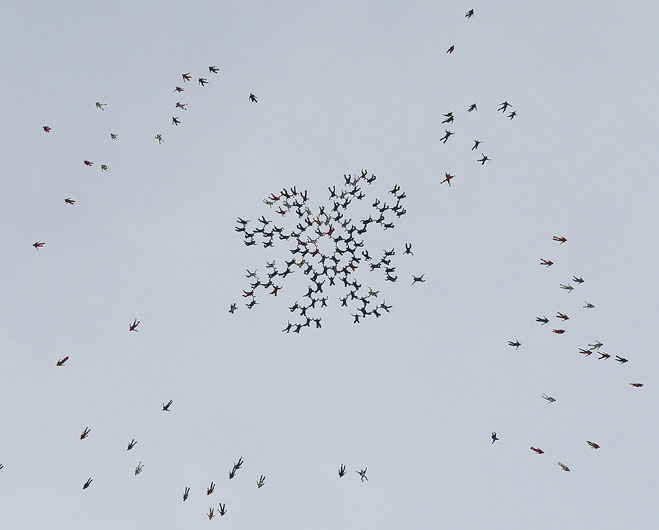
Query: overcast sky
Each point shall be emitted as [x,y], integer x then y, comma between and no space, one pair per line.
[414,395]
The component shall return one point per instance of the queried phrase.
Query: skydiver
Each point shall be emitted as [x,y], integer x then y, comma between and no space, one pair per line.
[233,308]
[386,307]
[593,444]
[213,69]
[567,287]
[38,244]
[564,467]
[100,105]
[342,470]
[637,385]
[62,361]
[588,305]
[476,144]
[186,493]
[516,343]
[159,138]
[362,474]
[585,352]
[186,77]
[472,107]
[558,331]
[165,408]
[210,489]
[105,167]
[132,444]
[252,98]
[138,469]
[446,136]
[47,129]
[560,239]
[88,163]
[504,106]
[577,279]
[597,345]
[175,120]
[450,50]
[542,320]
[470,13]
[483,160]
[546,262]
[408,249]
[416,279]
[494,437]
[449,118]
[251,274]
[621,360]
[85,433]
[114,136]
[133,326]
[562,316]
[238,464]
[223,509]
[548,398]
[261,482]
[603,355]
[180,105]
[87,484]
[252,304]
[202,81]
[512,114]
[210,513]
[538,451]
[447,179]
[179,89]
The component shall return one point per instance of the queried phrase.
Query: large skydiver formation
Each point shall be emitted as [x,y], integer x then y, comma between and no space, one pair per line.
[326,246]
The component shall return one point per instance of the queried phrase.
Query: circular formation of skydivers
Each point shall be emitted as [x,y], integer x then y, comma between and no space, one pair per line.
[328,247]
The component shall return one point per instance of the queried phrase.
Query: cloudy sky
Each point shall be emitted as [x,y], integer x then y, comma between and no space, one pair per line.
[412,396]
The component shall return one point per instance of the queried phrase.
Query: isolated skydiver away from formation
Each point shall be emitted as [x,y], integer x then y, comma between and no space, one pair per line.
[416,279]
[446,136]
[484,159]
[588,305]
[472,107]
[139,468]
[88,163]
[85,433]
[186,493]
[450,50]
[494,437]
[564,467]
[470,13]
[38,244]
[447,179]
[165,408]
[100,105]
[87,484]
[516,343]
[560,239]
[476,144]
[62,361]
[114,136]
[593,444]
[252,98]
[159,138]
[133,326]
[132,444]
[261,482]
[538,451]
[69,200]
[546,262]
[233,308]
[47,129]
[548,398]
[637,385]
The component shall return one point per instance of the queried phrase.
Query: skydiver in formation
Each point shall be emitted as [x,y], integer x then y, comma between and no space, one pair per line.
[159,138]
[408,249]
[577,279]
[261,482]
[186,77]
[210,489]
[203,81]
[564,467]
[484,159]
[504,106]
[175,121]
[213,69]
[447,179]
[512,114]
[446,136]
[546,262]
[138,469]
[416,279]
[180,105]
[472,107]
[362,474]
[560,239]
[132,444]
[567,287]
[621,360]
[538,451]
[588,305]
[233,308]
[476,144]
[223,509]
[542,320]
[342,470]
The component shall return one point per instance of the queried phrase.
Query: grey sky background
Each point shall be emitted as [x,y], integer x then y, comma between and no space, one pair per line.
[413,395]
